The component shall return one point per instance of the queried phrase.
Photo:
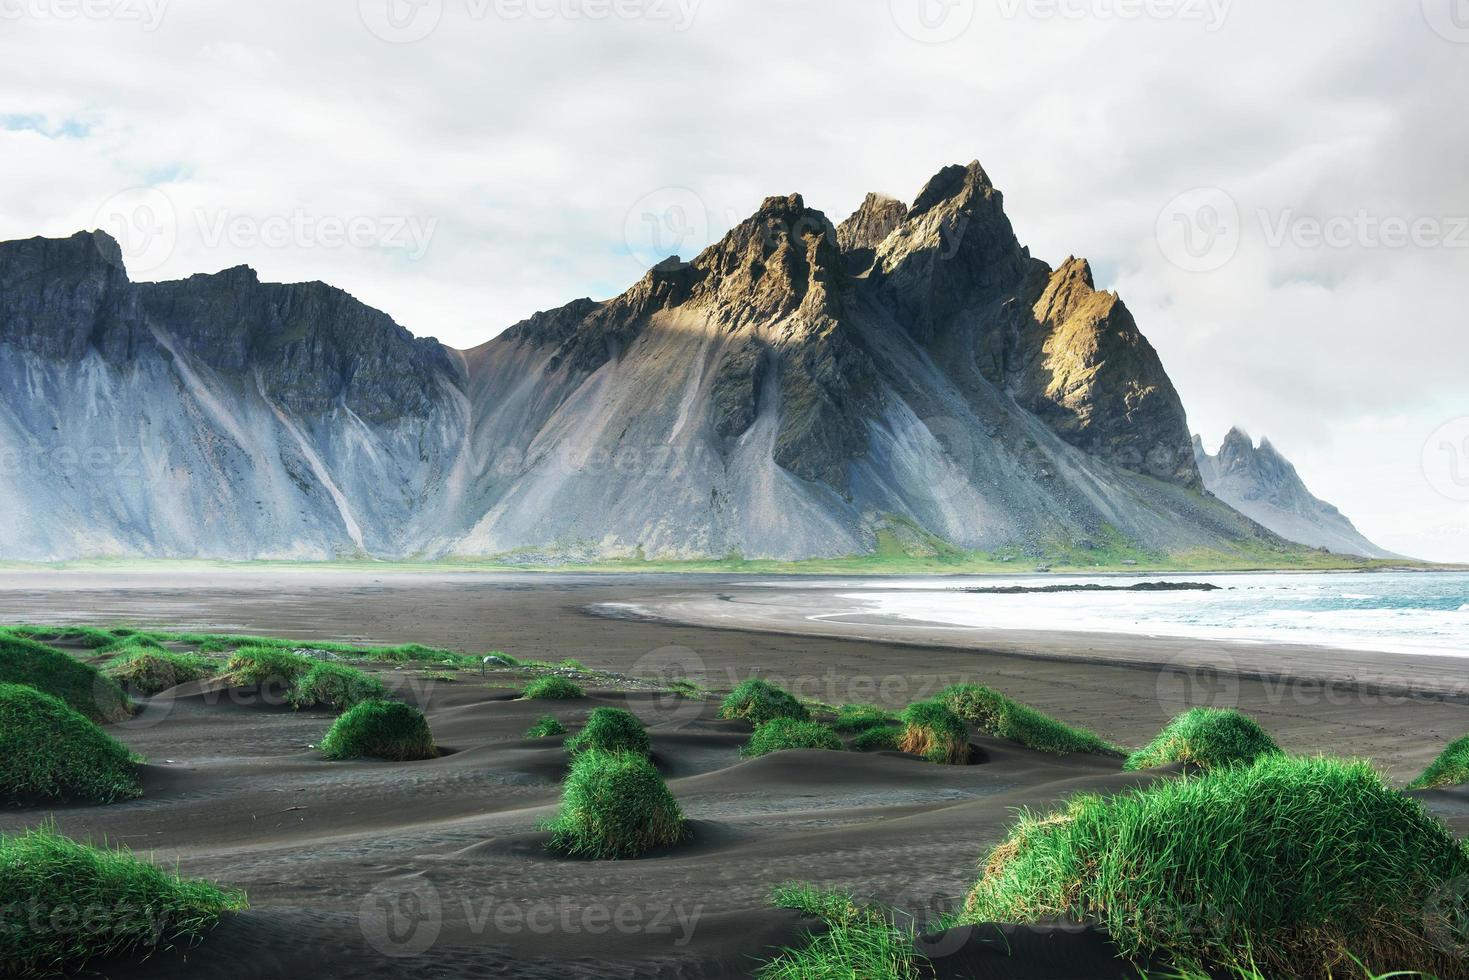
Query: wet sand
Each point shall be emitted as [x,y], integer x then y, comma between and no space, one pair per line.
[437,869]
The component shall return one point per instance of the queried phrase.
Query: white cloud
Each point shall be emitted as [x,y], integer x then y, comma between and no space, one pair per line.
[524,140]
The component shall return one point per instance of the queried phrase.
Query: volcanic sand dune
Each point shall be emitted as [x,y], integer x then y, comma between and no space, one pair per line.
[438,868]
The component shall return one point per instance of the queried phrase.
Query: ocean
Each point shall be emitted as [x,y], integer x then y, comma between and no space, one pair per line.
[1402,612]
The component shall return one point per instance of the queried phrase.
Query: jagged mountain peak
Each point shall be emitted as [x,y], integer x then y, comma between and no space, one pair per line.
[867,227]
[1076,269]
[1260,482]
[955,182]
[782,260]
[955,251]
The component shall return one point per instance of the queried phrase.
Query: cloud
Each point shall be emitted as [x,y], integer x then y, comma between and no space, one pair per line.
[543,141]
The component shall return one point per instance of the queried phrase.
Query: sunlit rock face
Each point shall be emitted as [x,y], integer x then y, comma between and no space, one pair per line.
[792,391]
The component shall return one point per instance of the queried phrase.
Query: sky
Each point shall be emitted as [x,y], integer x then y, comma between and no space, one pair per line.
[1277,190]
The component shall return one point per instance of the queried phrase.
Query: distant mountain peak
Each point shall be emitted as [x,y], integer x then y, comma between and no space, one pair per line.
[1263,484]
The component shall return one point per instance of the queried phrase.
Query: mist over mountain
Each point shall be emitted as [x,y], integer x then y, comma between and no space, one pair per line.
[798,389]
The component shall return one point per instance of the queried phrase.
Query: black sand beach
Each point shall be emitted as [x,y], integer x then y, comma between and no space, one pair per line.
[436,869]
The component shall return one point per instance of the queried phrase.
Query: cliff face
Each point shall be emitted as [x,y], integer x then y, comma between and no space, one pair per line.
[786,393]
[1263,485]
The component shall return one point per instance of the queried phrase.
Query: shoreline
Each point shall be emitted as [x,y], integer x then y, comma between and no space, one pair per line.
[1438,676]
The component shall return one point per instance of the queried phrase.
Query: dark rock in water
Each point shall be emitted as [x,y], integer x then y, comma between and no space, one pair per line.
[1263,485]
[1093,587]
[795,390]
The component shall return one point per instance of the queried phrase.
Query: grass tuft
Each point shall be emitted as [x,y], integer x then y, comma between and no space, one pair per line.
[882,738]
[81,686]
[860,717]
[552,689]
[335,686]
[150,672]
[266,665]
[75,903]
[1208,738]
[380,730]
[615,805]
[758,702]
[933,731]
[1451,768]
[998,716]
[611,730]
[1291,866]
[859,942]
[50,752]
[783,734]
[545,727]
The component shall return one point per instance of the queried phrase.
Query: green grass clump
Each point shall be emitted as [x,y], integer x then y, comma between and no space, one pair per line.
[860,717]
[933,731]
[132,643]
[50,752]
[999,716]
[81,686]
[335,686]
[1290,865]
[117,904]
[1451,768]
[267,665]
[149,672]
[788,733]
[615,805]
[611,730]
[758,702]
[552,689]
[545,727]
[1208,738]
[858,943]
[877,739]
[84,636]
[380,730]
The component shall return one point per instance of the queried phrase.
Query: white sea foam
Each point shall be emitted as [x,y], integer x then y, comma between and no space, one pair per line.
[1391,612]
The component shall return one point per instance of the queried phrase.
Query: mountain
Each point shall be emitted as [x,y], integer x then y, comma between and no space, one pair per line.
[798,389]
[1262,484]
